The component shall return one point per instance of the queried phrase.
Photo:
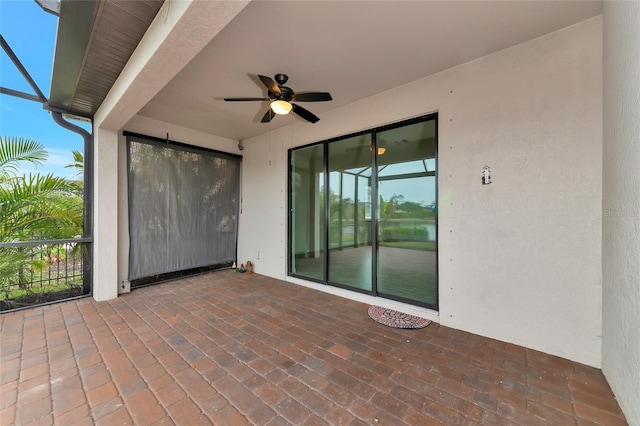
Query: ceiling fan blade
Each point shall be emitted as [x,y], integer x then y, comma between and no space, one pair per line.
[305,114]
[313,97]
[270,84]
[245,99]
[268,116]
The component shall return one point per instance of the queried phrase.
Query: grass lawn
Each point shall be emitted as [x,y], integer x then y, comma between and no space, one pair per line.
[410,245]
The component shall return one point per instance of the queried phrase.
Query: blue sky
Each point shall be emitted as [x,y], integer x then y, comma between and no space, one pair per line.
[31,33]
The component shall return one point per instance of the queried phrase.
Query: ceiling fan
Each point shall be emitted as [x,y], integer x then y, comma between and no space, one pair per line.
[281,98]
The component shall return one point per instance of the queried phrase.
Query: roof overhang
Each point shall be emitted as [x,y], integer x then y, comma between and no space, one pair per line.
[50,6]
[95,40]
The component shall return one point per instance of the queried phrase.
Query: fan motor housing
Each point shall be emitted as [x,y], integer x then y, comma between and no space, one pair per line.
[287,93]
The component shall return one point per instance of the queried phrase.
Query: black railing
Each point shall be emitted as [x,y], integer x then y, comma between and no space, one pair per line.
[38,272]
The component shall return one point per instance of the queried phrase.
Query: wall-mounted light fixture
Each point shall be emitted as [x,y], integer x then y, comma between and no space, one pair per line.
[486,175]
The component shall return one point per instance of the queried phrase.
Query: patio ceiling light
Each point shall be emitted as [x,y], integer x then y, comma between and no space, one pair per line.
[381,150]
[281,107]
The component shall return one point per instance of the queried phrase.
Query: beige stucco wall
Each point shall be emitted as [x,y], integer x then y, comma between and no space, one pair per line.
[621,205]
[519,259]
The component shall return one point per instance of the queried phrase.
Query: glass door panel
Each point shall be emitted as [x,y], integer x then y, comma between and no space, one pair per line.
[349,232]
[307,212]
[407,222]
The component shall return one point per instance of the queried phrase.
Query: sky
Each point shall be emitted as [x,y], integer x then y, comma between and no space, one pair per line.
[31,34]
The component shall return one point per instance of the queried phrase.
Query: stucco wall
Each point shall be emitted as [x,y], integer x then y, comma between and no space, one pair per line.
[520,258]
[621,205]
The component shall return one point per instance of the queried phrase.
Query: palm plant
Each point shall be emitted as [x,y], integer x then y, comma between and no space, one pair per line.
[389,207]
[32,207]
[78,164]
[35,206]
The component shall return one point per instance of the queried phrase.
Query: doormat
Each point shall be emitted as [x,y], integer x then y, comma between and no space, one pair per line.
[396,319]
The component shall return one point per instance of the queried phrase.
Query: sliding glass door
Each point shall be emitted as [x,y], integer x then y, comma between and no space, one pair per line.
[363,212]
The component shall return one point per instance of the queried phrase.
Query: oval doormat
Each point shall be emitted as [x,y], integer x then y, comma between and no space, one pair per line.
[396,319]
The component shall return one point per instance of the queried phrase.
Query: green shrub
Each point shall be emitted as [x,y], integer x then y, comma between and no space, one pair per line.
[404,233]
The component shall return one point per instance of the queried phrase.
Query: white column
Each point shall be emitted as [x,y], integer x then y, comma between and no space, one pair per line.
[105,215]
[621,205]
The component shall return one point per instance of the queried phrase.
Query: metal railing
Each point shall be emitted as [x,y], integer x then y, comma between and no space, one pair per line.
[39,272]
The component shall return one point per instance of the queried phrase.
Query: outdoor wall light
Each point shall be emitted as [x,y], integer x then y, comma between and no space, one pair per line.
[486,175]
[281,107]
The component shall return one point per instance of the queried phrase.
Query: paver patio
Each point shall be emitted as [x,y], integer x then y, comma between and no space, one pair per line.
[232,349]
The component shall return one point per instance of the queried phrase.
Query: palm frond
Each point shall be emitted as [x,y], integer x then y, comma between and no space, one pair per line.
[78,161]
[14,150]
[41,206]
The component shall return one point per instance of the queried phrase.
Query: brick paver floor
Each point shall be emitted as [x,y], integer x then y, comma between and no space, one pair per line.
[235,349]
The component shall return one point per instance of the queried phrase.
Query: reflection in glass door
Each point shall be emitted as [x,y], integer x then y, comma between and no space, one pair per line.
[407,237]
[306,228]
[349,241]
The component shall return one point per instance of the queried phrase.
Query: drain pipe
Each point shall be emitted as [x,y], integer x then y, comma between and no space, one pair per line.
[88,192]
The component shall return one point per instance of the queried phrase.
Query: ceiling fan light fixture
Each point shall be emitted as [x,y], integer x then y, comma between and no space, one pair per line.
[281,107]
[280,97]
[380,150]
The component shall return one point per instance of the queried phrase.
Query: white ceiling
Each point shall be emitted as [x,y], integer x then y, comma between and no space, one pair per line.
[353,49]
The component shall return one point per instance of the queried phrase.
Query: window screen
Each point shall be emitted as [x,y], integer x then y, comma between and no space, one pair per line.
[183,207]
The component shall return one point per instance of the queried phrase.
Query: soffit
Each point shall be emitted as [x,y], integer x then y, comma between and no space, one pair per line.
[95,40]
